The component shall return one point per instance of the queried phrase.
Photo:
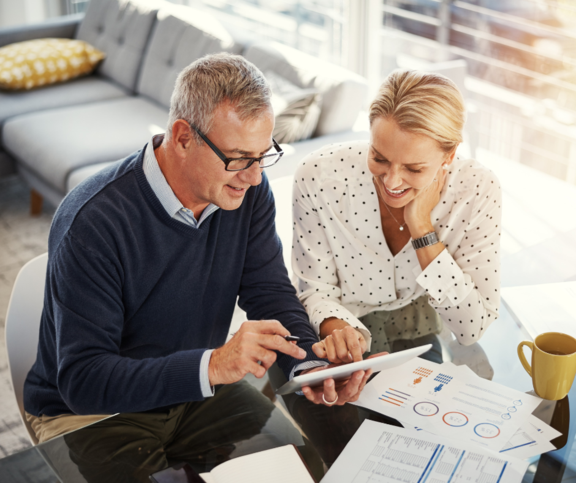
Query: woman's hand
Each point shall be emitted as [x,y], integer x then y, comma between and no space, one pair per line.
[417,212]
[333,393]
[342,344]
[338,392]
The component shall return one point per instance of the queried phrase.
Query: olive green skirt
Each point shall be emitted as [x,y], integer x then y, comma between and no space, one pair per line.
[414,325]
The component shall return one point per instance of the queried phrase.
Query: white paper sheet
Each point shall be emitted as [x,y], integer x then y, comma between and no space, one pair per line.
[548,432]
[281,465]
[439,399]
[379,453]
[531,439]
[527,442]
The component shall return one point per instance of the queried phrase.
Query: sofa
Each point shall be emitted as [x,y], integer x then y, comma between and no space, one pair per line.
[57,136]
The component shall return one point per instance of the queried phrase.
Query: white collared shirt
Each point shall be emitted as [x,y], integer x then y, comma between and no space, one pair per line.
[345,269]
[164,192]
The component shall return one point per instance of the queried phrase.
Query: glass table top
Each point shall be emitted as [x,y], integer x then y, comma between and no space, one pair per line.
[242,421]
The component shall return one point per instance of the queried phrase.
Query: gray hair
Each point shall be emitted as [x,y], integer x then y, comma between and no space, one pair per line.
[207,82]
[422,103]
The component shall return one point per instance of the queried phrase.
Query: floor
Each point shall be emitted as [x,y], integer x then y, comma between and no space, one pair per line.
[22,238]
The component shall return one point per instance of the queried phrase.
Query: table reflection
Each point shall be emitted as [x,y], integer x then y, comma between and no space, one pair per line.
[126,448]
[239,420]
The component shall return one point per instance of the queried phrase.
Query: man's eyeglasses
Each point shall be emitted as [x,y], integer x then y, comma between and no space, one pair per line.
[238,164]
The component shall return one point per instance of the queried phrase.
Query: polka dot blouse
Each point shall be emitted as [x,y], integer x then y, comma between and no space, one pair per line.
[345,269]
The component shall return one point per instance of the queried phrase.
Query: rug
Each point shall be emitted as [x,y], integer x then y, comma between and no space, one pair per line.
[22,237]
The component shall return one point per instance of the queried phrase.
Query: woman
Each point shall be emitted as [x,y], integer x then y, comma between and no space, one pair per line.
[397,236]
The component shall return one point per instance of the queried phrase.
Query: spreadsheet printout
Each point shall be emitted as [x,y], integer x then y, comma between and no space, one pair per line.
[379,453]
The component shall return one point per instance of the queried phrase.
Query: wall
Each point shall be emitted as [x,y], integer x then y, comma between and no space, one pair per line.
[18,12]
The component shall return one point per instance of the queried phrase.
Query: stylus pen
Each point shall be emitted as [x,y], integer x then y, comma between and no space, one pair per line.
[292,338]
[289,338]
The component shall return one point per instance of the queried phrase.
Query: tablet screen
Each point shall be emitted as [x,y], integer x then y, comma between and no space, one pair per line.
[343,371]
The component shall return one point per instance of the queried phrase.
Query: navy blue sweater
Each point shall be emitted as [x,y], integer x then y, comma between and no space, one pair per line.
[134,298]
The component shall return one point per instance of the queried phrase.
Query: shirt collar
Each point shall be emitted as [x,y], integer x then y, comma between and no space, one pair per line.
[160,186]
[157,180]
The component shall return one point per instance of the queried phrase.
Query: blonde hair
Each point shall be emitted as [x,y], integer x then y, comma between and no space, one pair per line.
[207,82]
[422,103]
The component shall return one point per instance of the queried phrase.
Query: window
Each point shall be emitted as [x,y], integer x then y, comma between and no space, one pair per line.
[521,69]
[313,26]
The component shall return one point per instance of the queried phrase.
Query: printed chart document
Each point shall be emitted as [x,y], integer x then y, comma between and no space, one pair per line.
[445,400]
[543,308]
[531,440]
[382,453]
[280,465]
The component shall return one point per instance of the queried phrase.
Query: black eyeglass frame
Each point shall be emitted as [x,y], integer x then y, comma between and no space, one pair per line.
[227,161]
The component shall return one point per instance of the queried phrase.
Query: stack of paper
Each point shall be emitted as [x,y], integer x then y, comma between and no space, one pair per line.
[382,453]
[452,401]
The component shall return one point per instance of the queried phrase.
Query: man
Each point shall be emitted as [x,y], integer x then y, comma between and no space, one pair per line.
[147,258]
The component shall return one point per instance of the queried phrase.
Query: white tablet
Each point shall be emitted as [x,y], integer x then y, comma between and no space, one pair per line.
[345,370]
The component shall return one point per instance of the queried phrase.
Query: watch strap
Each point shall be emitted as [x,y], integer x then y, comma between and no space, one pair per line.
[425,241]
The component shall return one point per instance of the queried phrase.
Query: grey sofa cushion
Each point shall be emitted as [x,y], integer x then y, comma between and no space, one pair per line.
[53,143]
[80,91]
[120,28]
[78,175]
[343,92]
[181,35]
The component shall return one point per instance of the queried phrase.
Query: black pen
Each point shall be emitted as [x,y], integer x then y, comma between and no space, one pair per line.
[292,338]
[289,338]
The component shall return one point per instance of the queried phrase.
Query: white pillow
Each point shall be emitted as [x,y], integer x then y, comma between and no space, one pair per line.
[296,110]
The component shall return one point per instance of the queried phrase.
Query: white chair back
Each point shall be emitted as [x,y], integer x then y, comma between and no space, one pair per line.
[22,327]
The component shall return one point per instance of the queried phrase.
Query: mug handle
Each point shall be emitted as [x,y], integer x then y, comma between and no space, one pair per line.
[523,357]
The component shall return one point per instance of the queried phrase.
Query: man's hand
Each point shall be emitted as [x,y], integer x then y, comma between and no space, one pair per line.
[341,342]
[251,350]
[338,393]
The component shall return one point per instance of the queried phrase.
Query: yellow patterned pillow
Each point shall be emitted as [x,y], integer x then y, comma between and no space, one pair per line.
[35,63]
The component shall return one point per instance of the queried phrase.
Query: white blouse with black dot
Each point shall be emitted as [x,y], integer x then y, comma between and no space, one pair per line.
[345,269]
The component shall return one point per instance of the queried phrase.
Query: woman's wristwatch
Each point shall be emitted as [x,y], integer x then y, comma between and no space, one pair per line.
[425,241]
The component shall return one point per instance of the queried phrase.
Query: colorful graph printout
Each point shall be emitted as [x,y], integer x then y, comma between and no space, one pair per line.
[455,419]
[487,430]
[443,379]
[394,397]
[421,372]
[447,389]
[426,408]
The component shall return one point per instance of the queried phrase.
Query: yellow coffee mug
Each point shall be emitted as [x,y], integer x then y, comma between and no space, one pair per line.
[553,364]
